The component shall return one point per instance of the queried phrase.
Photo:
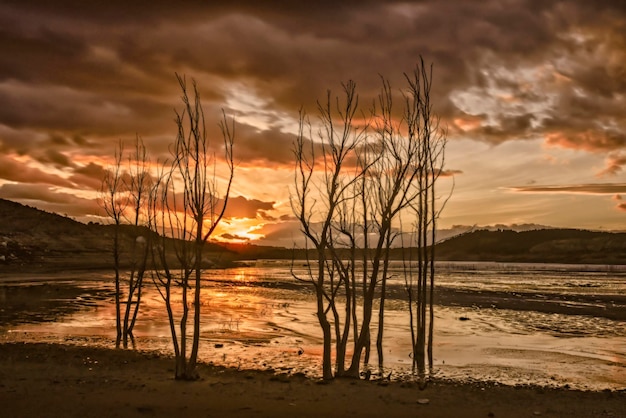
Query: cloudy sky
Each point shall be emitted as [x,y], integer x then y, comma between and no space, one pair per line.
[533,94]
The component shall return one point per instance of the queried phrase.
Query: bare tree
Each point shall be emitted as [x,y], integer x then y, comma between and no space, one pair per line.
[114,203]
[420,281]
[358,184]
[391,189]
[187,204]
[124,197]
[138,185]
[323,182]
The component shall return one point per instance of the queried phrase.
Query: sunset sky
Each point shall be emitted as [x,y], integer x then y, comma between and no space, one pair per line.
[533,94]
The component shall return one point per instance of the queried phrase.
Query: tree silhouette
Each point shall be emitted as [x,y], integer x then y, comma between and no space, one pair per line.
[187,204]
[353,180]
[124,197]
[424,128]
[113,202]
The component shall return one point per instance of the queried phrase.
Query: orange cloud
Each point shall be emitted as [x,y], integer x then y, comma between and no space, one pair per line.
[588,140]
[614,164]
[241,207]
[599,188]
[467,123]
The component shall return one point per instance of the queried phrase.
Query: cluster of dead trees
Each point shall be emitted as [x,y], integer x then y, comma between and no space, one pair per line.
[175,205]
[362,177]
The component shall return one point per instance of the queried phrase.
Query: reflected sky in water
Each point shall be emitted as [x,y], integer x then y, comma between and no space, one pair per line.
[258,316]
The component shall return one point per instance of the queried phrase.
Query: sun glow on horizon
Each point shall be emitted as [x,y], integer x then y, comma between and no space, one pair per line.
[238,230]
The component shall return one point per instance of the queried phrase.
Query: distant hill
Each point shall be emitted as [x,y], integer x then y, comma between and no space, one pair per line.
[539,246]
[568,246]
[34,240]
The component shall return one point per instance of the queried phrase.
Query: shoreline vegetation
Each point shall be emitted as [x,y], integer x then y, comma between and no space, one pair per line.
[45,379]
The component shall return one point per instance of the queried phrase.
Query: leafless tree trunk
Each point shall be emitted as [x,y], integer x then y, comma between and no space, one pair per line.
[424,126]
[138,189]
[363,179]
[114,203]
[190,216]
[390,189]
[329,175]
[124,198]
[171,272]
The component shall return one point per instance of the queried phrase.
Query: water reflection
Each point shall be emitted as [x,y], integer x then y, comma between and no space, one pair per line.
[260,317]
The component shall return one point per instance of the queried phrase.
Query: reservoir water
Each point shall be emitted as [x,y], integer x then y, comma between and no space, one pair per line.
[550,325]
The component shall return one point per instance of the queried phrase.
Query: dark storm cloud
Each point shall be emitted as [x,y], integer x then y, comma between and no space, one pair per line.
[145,11]
[101,71]
[269,147]
[238,207]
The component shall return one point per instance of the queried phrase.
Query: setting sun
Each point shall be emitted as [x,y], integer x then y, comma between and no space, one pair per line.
[238,230]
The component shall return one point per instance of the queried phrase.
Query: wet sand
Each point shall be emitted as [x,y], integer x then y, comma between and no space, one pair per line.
[69,381]
[510,359]
[532,347]
[600,306]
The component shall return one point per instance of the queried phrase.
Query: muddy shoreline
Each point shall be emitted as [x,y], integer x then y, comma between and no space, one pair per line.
[471,323]
[58,380]
[601,306]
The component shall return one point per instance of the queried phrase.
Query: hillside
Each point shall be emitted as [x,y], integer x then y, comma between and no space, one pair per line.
[31,238]
[568,246]
[34,240]
[540,246]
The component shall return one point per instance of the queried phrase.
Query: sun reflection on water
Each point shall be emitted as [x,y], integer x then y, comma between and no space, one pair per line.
[262,318]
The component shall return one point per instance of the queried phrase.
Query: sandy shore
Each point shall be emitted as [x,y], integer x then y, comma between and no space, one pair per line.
[50,380]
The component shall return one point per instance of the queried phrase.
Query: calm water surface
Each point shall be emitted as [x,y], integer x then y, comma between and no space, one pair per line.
[263,318]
